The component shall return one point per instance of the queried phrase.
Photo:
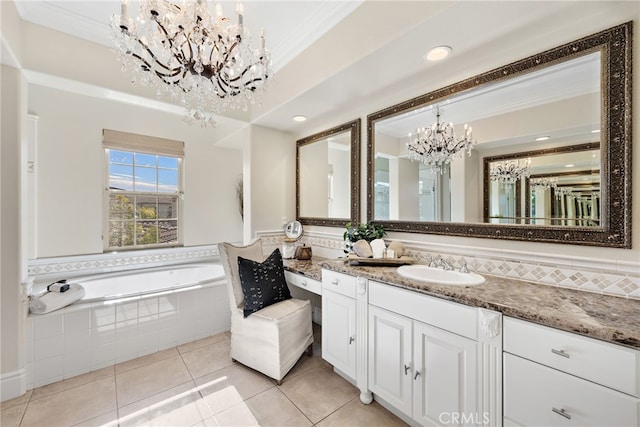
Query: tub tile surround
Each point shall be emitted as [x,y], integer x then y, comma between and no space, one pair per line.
[615,278]
[90,337]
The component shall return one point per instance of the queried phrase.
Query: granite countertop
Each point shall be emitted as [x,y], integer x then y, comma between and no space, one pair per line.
[608,318]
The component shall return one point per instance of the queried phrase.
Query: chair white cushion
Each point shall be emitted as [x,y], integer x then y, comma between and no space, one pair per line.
[272,339]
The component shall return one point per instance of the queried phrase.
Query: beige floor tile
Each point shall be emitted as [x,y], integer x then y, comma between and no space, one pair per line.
[72,382]
[11,417]
[209,422]
[110,419]
[305,364]
[20,400]
[146,360]
[153,378]
[208,359]
[72,406]
[229,386]
[318,392]
[203,342]
[271,408]
[180,406]
[356,414]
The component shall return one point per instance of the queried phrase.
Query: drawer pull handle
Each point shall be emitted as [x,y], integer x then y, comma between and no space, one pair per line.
[560,353]
[415,377]
[406,369]
[561,412]
[304,283]
[335,282]
[351,340]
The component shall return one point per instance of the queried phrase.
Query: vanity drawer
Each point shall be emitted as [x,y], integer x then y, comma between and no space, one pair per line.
[535,395]
[303,282]
[340,283]
[603,363]
[450,316]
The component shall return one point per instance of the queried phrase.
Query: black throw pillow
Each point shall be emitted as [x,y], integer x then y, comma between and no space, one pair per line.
[262,283]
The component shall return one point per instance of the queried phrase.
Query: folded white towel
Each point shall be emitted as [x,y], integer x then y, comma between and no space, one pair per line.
[51,301]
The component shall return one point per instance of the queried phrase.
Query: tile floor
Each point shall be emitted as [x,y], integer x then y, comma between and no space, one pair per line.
[197,384]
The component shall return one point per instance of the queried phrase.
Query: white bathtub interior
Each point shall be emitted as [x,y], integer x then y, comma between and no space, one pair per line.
[90,336]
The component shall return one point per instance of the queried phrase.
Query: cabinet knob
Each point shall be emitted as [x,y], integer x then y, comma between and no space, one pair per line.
[560,353]
[351,340]
[415,377]
[406,369]
[335,282]
[304,283]
[561,412]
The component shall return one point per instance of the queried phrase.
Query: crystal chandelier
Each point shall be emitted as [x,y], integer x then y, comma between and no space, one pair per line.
[437,145]
[509,171]
[560,192]
[544,183]
[202,61]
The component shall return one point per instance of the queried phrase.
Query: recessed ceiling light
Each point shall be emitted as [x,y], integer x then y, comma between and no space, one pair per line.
[570,165]
[437,53]
[299,118]
[595,131]
[542,138]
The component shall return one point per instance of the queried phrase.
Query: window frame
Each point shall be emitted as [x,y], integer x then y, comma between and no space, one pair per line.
[109,192]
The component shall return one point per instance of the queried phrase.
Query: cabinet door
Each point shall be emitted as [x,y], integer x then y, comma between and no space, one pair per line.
[445,381]
[390,367]
[338,332]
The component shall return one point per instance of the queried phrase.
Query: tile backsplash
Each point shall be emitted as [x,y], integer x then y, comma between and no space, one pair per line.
[589,275]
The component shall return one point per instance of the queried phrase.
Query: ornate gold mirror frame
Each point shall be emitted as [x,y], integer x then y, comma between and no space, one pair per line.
[615,45]
[354,128]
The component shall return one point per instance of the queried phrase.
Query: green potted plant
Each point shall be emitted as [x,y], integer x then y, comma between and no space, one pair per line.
[357,232]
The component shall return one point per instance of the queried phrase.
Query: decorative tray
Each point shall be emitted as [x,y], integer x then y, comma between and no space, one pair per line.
[382,262]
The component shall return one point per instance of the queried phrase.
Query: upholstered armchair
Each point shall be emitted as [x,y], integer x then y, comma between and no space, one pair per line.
[272,339]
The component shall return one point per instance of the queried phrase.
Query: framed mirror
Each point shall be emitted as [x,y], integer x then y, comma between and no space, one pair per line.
[575,94]
[328,176]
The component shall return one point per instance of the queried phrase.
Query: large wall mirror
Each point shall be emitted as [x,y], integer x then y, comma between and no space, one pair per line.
[328,176]
[570,105]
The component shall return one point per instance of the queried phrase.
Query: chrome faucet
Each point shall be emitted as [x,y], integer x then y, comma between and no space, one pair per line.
[439,262]
[464,268]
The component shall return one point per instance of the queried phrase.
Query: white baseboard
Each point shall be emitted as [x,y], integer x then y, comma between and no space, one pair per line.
[13,384]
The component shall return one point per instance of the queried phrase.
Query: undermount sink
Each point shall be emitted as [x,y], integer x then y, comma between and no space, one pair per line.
[440,276]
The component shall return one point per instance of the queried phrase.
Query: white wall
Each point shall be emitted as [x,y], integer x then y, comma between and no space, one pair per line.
[272,159]
[71,173]
[12,264]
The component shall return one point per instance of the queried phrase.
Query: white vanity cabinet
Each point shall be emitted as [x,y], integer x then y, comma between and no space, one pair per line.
[344,327]
[339,322]
[435,361]
[556,378]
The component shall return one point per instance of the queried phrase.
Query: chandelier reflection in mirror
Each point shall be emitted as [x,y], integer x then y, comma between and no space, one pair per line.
[437,145]
[510,171]
[202,61]
[544,183]
[560,192]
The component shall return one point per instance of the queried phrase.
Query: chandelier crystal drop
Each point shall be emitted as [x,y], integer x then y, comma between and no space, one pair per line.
[202,61]
[510,171]
[438,145]
[560,192]
[544,183]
